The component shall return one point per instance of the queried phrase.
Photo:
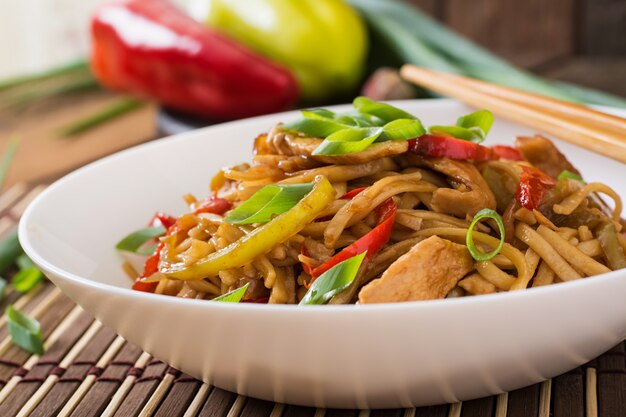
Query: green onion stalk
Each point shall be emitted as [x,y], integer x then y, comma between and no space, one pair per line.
[418,39]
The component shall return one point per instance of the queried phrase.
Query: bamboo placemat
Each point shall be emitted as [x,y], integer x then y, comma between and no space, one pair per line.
[87,370]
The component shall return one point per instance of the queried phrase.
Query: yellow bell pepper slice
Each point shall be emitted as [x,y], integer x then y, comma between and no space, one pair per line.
[261,240]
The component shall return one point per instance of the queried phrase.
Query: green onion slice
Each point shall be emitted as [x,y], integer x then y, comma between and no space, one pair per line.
[350,118]
[321,114]
[318,123]
[269,201]
[25,331]
[333,281]
[323,123]
[27,278]
[385,112]
[567,174]
[318,128]
[473,127]
[457,132]
[403,129]
[479,122]
[348,141]
[358,120]
[477,254]
[134,241]
[234,296]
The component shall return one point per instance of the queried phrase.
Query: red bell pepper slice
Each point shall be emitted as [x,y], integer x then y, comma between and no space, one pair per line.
[162,219]
[372,242]
[351,194]
[507,152]
[150,267]
[533,185]
[216,205]
[438,146]
[152,49]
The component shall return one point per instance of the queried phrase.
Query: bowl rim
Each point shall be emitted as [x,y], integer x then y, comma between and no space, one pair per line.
[27,245]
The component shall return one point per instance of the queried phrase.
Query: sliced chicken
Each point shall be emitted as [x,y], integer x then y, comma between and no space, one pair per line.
[428,271]
[470,194]
[542,153]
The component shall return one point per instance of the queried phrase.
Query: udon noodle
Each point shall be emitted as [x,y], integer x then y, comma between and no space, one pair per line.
[567,233]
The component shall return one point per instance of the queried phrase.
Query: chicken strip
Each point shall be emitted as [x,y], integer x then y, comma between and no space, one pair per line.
[427,272]
[470,194]
[542,153]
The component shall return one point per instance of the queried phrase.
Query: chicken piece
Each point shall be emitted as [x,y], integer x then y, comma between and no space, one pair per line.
[542,153]
[427,272]
[470,194]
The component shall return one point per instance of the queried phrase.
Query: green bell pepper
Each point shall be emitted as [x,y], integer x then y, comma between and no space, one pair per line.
[322,42]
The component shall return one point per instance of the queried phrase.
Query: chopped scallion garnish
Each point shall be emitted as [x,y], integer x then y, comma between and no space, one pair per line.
[234,296]
[385,112]
[480,121]
[269,201]
[26,279]
[315,127]
[473,127]
[566,174]
[333,281]
[348,141]
[476,253]
[403,129]
[134,241]
[371,122]
[25,331]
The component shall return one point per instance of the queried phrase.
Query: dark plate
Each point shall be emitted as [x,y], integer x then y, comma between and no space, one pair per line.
[171,122]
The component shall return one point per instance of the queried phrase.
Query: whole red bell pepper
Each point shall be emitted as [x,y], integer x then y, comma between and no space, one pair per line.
[439,146]
[372,242]
[533,185]
[150,48]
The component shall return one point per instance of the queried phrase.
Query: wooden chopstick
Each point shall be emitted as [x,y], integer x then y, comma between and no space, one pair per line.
[590,129]
[566,109]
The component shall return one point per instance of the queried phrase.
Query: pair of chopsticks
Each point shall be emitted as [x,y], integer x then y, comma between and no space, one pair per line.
[591,129]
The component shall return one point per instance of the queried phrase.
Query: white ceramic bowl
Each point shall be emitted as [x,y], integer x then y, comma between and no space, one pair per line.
[372,356]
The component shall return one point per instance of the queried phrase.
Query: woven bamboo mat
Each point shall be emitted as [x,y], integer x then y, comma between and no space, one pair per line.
[87,370]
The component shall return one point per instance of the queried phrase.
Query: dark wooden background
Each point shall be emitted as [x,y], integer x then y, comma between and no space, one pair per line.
[582,41]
